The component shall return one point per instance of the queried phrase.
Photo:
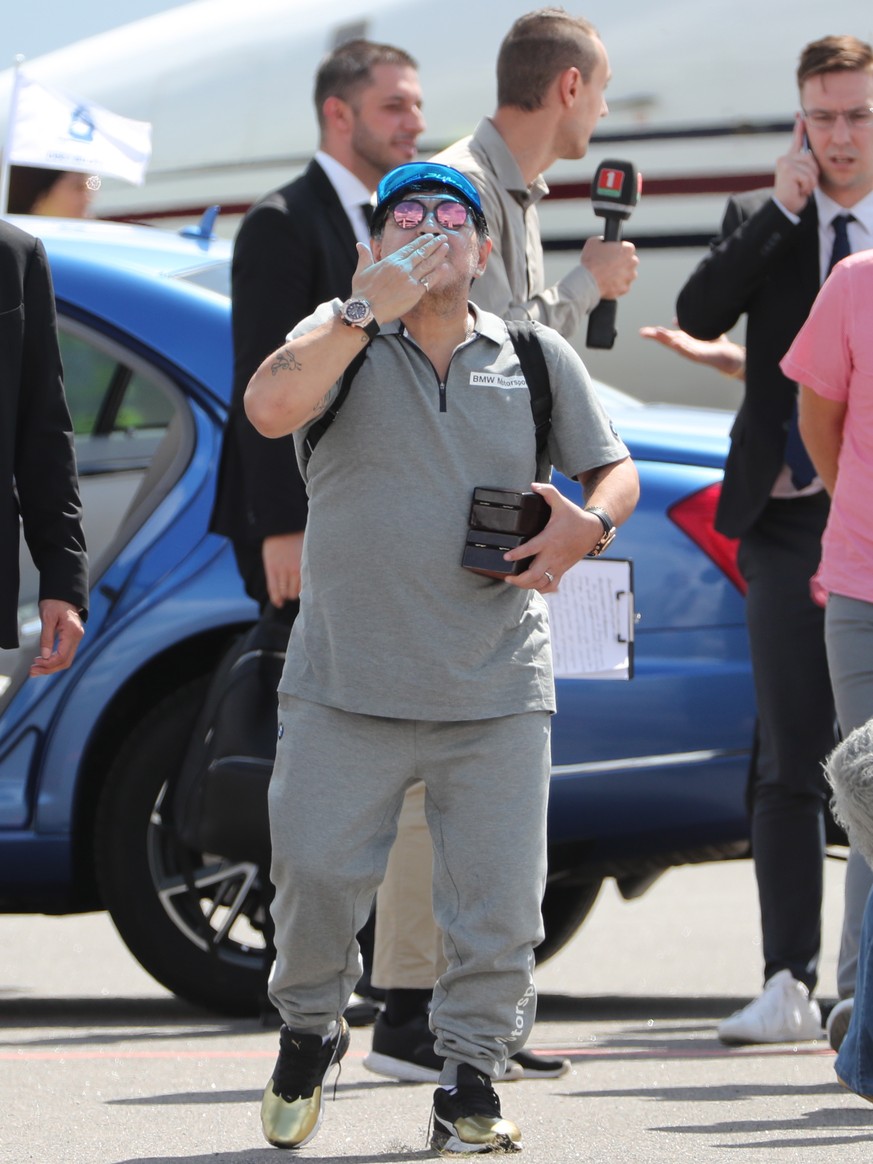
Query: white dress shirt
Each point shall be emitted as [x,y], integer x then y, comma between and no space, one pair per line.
[351,192]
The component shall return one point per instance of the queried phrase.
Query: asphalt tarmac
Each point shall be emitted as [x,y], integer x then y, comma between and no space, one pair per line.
[100,1065]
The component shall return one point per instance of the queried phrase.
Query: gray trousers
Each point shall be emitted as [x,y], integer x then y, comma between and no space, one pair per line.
[335,796]
[849,639]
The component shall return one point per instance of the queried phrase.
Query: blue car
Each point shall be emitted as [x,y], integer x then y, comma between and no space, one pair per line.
[647,774]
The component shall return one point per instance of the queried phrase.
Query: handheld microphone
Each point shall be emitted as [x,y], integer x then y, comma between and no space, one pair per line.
[614,194]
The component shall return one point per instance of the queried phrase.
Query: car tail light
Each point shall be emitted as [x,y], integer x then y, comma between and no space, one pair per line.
[695,516]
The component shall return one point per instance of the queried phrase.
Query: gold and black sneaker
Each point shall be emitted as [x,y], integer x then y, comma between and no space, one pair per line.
[294,1100]
[468,1119]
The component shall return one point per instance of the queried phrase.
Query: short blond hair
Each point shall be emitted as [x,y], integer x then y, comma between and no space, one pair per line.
[538,47]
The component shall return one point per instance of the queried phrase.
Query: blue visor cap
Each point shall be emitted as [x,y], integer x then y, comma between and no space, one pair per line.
[418,177]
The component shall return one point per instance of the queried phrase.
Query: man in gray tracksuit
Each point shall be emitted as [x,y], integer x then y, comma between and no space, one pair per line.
[410,667]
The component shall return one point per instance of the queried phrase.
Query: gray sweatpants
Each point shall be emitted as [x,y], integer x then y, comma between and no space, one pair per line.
[335,795]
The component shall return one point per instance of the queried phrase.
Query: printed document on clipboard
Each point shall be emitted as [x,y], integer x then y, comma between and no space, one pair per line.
[592,620]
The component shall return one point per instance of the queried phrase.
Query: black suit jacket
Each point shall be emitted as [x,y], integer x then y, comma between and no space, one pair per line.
[38,480]
[765,267]
[294,250]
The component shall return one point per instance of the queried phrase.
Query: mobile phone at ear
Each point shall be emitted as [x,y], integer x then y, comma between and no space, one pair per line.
[806,148]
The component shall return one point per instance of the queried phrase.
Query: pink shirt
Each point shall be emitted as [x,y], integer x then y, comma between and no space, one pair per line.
[833,355]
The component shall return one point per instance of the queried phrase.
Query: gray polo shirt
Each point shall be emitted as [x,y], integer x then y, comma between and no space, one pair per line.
[390,623]
[513,285]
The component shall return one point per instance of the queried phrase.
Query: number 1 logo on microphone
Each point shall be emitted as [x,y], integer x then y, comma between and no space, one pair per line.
[609,183]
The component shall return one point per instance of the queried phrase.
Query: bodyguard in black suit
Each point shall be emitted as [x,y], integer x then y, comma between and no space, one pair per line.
[38,488]
[773,252]
[294,250]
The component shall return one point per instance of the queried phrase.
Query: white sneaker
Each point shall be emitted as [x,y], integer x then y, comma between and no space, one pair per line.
[783,1013]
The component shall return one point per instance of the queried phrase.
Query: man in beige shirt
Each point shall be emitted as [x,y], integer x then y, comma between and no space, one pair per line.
[552,70]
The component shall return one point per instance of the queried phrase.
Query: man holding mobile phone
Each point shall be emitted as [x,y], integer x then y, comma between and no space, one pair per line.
[775,250]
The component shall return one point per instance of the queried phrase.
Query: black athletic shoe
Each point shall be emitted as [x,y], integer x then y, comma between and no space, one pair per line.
[293,1100]
[362,1012]
[528,1065]
[468,1119]
[404,1052]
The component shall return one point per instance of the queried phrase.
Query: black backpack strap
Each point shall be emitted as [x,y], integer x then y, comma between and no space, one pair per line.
[536,373]
[533,366]
[319,427]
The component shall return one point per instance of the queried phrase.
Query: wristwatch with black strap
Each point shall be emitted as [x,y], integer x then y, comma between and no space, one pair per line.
[609,530]
[357,312]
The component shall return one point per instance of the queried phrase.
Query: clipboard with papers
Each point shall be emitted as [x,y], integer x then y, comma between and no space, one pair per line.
[592,620]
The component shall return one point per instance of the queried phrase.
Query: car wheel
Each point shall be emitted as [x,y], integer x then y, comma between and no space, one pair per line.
[565,907]
[194,920]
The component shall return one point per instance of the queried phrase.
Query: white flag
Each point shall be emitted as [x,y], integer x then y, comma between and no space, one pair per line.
[54,129]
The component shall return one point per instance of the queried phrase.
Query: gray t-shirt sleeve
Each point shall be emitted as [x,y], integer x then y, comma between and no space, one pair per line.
[582,435]
[322,314]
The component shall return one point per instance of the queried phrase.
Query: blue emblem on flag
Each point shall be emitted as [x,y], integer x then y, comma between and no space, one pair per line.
[81,124]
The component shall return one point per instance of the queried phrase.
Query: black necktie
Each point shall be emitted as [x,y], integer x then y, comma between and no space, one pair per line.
[367,210]
[796,456]
[842,247]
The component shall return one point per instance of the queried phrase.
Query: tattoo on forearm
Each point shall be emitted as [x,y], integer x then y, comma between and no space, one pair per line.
[321,405]
[285,361]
